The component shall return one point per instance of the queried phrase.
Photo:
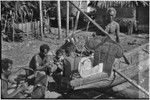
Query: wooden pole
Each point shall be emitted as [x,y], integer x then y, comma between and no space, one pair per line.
[41,18]
[13,26]
[67,32]
[132,82]
[59,19]
[87,28]
[0,10]
[99,27]
[77,17]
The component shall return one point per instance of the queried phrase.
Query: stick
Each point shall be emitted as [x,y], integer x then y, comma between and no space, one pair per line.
[87,28]
[99,27]
[132,82]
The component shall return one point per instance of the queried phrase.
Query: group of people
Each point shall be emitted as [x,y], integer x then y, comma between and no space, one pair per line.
[65,61]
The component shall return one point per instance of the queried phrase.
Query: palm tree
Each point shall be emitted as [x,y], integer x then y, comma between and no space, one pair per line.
[17,11]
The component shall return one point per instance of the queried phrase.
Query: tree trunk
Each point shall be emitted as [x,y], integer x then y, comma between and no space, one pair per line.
[41,19]
[13,35]
[59,19]
[67,32]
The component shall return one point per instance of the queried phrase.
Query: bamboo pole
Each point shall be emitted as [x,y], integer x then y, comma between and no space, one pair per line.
[0,10]
[41,18]
[59,19]
[132,82]
[77,17]
[13,27]
[67,32]
[99,27]
[87,28]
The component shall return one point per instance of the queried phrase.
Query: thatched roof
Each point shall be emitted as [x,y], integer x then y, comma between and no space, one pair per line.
[106,4]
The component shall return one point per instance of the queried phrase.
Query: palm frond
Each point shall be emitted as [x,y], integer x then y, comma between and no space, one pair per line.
[106,4]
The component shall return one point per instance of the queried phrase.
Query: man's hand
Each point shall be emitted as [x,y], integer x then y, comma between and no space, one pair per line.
[22,87]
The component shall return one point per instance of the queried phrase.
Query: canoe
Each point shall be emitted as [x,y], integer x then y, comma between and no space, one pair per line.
[138,59]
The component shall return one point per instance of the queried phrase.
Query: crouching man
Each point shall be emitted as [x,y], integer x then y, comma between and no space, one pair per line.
[105,52]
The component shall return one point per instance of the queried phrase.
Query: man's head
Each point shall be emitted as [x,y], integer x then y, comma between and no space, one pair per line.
[60,54]
[111,13]
[6,65]
[44,49]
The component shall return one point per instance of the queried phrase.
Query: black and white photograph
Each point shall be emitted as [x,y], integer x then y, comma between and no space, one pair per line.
[74,49]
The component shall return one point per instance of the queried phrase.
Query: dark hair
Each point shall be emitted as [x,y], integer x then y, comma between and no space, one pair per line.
[60,51]
[43,47]
[5,63]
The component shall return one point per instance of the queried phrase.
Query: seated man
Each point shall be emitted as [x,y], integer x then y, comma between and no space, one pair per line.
[42,66]
[6,72]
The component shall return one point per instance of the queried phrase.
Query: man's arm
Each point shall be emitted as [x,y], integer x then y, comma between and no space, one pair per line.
[38,66]
[14,93]
[117,33]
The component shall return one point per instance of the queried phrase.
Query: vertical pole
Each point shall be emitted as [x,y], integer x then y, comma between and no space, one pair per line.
[0,10]
[59,19]
[67,32]
[77,18]
[13,26]
[41,18]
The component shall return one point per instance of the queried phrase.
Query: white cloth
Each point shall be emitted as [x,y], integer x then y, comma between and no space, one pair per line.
[86,69]
[53,94]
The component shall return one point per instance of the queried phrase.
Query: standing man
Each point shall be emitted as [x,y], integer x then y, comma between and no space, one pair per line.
[112,26]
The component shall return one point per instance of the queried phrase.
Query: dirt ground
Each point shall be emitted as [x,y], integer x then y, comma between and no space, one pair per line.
[21,52]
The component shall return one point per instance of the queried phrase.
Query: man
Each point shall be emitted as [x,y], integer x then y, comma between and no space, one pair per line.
[42,65]
[111,26]
[6,72]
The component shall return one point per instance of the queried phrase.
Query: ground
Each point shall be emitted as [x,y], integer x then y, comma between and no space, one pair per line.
[21,52]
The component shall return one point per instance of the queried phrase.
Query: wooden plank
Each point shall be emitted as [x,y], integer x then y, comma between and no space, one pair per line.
[59,19]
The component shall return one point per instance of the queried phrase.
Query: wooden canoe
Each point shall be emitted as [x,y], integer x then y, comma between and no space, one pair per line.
[138,59]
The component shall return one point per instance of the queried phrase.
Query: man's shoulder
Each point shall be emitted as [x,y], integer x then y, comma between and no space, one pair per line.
[116,23]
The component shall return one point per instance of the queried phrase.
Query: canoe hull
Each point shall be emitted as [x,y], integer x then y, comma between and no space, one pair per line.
[138,59]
